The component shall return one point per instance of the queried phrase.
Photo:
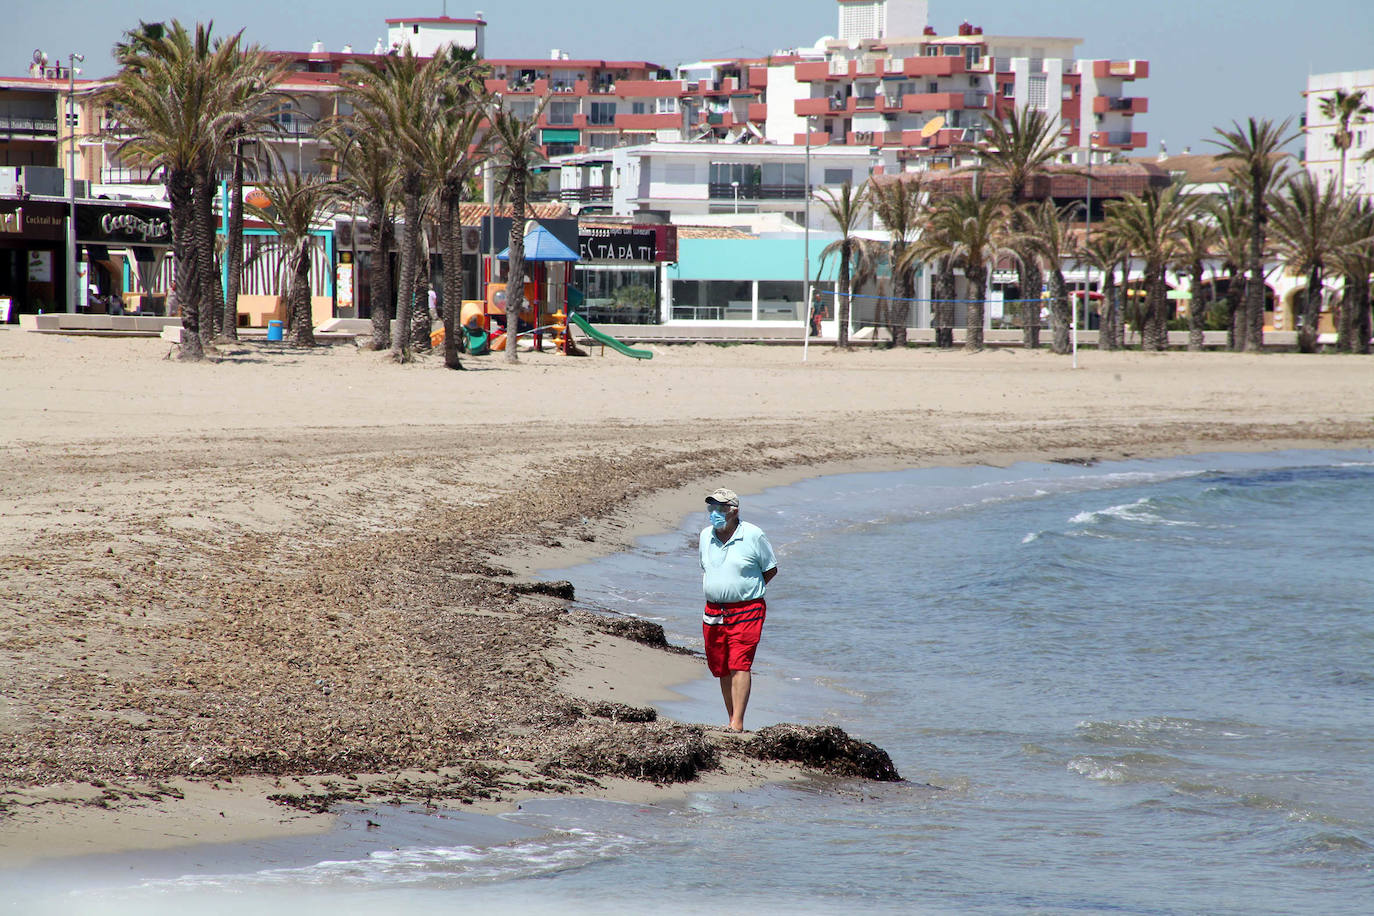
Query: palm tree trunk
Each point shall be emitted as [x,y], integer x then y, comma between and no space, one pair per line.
[379,274]
[234,254]
[977,286]
[400,343]
[843,294]
[901,298]
[180,191]
[515,286]
[943,288]
[1235,312]
[1059,312]
[1311,311]
[1196,314]
[451,243]
[299,296]
[420,324]
[203,195]
[1254,293]
[1362,314]
[1028,277]
[1106,324]
[1156,336]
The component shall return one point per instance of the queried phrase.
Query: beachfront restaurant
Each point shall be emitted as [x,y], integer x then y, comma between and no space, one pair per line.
[733,282]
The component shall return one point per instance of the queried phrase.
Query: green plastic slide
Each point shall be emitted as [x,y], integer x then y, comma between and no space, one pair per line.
[607,339]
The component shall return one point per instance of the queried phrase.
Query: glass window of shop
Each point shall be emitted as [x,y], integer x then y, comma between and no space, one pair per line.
[618,294]
[781,300]
[713,300]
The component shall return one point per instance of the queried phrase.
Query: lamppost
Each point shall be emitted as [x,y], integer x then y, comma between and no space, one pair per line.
[734,185]
[72,60]
[806,241]
[1087,266]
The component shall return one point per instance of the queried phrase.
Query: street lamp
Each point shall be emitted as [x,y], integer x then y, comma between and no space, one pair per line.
[1087,266]
[806,243]
[734,185]
[72,60]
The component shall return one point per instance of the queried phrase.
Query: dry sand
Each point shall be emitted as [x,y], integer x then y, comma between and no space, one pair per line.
[296,573]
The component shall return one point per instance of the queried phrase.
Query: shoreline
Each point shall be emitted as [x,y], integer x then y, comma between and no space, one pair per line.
[412,590]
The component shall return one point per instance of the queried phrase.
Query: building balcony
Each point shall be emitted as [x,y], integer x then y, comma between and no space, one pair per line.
[818,138]
[1125,106]
[594,194]
[649,89]
[1121,69]
[815,71]
[821,106]
[944,101]
[758,111]
[933,66]
[725,191]
[941,139]
[666,121]
[874,138]
[28,127]
[758,77]
[1122,139]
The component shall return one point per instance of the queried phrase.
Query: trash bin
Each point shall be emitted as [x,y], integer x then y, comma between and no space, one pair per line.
[274,330]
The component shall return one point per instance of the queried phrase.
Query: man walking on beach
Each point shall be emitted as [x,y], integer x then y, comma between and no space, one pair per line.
[737,563]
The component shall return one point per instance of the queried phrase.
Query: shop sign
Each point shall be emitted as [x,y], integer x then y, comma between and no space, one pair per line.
[40,266]
[32,220]
[123,225]
[605,244]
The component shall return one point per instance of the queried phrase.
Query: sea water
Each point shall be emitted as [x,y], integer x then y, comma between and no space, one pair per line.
[1134,687]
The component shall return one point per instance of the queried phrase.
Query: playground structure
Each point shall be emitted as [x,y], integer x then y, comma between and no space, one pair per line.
[487,326]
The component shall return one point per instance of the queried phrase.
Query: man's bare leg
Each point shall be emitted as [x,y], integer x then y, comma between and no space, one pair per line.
[736,696]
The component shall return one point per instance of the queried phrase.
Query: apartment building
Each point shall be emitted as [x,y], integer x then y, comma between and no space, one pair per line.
[1321,154]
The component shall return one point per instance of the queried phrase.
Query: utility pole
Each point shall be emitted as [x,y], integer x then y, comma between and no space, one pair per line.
[72,60]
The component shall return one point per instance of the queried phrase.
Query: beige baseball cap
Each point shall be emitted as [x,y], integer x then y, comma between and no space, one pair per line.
[724,497]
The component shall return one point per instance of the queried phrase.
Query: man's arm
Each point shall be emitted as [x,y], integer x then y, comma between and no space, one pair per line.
[768,575]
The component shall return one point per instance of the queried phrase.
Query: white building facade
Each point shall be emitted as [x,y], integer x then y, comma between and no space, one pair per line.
[1322,156]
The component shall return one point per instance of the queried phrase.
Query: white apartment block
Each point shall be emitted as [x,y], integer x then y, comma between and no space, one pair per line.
[1322,156]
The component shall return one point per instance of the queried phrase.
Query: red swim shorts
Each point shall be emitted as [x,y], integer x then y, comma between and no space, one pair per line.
[730,645]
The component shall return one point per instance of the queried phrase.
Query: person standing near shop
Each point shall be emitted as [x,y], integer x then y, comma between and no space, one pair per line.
[737,563]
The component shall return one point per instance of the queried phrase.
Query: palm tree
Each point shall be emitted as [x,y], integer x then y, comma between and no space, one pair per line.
[846,208]
[1049,239]
[395,97]
[897,204]
[515,152]
[297,200]
[1310,230]
[365,170]
[936,249]
[163,100]
[1255,154]
[454,151]
[1017,151]
[1344,108]
[1196,240]
[1106,253]
[976,231]
[1355,261]
[1149,226]
[1230,214]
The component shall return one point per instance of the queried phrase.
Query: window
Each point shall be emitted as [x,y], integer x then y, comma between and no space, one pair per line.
[521,108]
[602,113]
[560,149]
[667,106]
[1008,90]
[1035,96]
[713,300]
[781,300]
[1067,92]
[602,141]
[639,108]
[561,112]
[972,55]
[838,176]
[932,87]
[784,179]
[728,173]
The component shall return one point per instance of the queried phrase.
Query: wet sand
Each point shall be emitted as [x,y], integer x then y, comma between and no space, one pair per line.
[298,574]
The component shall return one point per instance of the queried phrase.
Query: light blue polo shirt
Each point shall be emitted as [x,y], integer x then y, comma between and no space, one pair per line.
[733,571]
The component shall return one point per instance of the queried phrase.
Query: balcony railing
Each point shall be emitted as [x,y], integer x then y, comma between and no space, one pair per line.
[586,195]
[726,191]
[30,126]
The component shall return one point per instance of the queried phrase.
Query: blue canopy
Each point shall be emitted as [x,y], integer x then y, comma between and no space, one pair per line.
[541,245]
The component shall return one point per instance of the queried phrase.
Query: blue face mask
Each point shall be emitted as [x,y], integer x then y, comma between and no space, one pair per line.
[718,519]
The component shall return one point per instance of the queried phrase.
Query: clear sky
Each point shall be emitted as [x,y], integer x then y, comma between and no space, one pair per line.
[1211,61]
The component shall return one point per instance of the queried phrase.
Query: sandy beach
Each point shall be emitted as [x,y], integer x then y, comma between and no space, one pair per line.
[238,592]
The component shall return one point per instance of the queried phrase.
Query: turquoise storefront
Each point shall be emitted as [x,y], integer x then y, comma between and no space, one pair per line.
[743,281]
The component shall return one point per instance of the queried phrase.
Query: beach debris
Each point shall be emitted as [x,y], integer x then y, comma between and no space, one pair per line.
[631,628]
[620,712]
[826,748]
[661,754]
[558,588]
